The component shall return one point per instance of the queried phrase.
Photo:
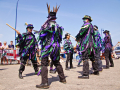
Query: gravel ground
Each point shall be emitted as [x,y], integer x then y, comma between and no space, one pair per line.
[109,79]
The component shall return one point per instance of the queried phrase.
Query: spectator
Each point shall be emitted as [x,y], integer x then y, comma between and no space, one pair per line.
[1,51]
[11,46]
[5,46]
[17,50]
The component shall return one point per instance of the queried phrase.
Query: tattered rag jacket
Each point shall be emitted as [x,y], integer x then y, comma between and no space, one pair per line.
[28,45]
[50,38]
[86,37]
[68,47]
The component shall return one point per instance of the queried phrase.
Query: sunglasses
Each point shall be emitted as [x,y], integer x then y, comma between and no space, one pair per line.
[30,27]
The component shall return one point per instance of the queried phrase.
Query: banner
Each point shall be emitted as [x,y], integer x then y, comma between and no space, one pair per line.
[12,54]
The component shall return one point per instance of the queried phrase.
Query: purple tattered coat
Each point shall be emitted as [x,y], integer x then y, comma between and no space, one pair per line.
[86,37]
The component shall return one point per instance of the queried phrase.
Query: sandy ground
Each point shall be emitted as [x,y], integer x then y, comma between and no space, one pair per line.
[109,79]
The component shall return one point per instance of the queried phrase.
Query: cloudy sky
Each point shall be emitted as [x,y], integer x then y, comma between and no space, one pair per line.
[105,14]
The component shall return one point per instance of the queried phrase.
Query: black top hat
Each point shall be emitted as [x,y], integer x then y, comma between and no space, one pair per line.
[106,31]
[87,17]
[95,27]
[52,15]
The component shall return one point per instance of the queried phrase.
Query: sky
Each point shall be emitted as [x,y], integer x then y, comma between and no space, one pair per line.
[105,14]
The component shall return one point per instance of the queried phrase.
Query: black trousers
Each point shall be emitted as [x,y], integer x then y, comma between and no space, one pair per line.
[108,58]
[44,70]
[93,58]
[69,58]
[23,62]
[99,59]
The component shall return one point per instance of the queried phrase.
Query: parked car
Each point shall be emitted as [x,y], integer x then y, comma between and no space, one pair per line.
[117,51]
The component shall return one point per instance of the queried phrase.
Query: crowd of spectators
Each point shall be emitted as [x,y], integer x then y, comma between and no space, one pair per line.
[3,49]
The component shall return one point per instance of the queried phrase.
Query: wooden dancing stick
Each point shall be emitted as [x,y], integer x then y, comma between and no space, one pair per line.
[36,31]
[13,29]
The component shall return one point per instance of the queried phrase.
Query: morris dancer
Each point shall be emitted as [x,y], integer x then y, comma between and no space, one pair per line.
[99,43]
[50,36]
[68,47]
[28,48]
[87,46]
[108,49]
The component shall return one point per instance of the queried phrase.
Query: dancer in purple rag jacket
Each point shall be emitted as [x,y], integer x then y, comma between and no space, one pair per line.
[87,47]
[50,37]
[108,49]
[28,48]
[99,43]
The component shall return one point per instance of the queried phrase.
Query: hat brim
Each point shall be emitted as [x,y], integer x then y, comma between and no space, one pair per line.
[106,32]
[87,18]
[52,17]
[29,27]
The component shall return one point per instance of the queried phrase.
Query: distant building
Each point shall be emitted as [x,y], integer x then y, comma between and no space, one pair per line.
[118,44]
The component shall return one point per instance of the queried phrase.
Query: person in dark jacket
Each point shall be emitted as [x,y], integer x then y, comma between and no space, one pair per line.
[87,47]
[108,49]
[99,43]
[28,47]
[50,37]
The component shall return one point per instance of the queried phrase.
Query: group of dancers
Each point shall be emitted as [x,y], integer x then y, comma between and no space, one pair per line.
[89,45]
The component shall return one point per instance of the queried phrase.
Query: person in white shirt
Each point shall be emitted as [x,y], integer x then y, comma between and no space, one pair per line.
[4,47]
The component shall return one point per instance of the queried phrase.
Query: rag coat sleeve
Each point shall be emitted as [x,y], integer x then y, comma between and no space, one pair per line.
[83,31]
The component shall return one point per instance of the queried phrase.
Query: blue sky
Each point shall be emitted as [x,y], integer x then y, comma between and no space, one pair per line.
[105,14]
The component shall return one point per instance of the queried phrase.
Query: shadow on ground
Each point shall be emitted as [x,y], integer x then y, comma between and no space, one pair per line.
[4,69]
[29,74]
[54,79]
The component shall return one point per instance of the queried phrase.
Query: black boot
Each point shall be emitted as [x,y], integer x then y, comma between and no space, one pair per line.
[111,65]
[95,73]
[20,75]
[43,86]
[63,81]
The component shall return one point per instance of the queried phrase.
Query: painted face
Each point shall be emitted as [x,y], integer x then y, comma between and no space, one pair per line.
[84,20]
[106,34]
[30,29]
